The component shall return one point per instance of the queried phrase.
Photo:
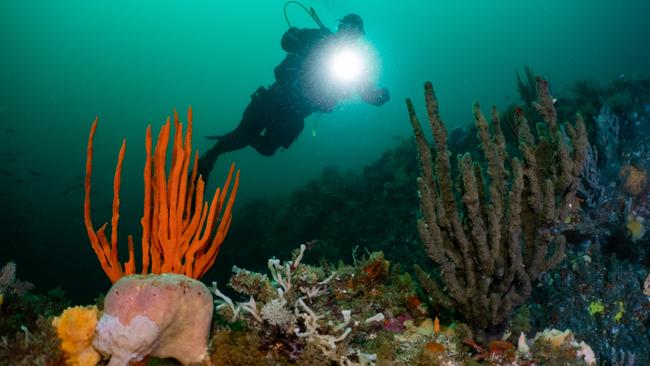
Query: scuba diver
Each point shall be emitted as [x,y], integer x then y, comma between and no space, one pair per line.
[276,115]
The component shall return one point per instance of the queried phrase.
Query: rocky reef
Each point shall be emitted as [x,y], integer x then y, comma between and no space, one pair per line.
[524,242]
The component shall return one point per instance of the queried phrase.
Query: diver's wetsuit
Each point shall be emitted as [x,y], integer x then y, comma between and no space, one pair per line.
[276,115]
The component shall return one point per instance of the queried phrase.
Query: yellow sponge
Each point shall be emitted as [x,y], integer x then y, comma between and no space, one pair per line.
[76,328]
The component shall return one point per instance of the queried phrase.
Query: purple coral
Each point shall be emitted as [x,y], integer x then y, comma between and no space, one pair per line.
[396,325]
[7,275]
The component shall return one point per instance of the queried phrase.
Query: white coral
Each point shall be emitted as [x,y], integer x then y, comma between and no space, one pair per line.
[276,313]
[279,312]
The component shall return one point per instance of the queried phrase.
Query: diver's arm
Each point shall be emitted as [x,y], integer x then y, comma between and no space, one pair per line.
[374,95]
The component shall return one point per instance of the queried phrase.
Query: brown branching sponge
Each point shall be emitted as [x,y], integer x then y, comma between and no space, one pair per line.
[497,226]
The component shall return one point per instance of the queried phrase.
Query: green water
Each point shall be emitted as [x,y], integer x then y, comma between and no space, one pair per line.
[64,62]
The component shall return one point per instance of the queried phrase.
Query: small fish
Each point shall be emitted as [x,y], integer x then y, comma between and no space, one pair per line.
[18,181]
[6,173]
[35,173]
[10,159]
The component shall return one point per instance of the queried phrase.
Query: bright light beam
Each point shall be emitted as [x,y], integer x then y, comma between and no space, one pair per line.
[347,65]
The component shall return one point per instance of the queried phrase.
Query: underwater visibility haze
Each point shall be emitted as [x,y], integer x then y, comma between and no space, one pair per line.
[397,183]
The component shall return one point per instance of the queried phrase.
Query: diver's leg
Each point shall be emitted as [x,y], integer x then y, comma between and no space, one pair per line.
[277,136]
[232,141]
[251,125]
[264,145]
[281,133]
[291,131]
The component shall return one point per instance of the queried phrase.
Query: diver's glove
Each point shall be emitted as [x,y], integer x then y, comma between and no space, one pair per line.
[383,96]
[375,96]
